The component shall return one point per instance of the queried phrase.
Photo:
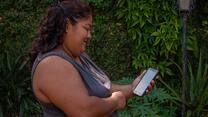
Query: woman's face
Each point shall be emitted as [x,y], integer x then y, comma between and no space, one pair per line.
[77,36]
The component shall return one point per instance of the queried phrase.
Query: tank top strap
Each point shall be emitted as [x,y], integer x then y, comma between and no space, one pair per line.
[61,54]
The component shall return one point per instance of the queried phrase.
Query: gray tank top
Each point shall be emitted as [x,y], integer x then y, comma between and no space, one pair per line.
[95,80]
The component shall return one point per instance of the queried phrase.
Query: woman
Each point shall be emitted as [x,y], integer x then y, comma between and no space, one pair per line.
[65,80]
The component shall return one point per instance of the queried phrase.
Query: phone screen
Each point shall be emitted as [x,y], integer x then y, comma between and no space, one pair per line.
[145,81]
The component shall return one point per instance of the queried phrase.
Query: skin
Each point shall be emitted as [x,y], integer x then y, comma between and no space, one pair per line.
[53,84]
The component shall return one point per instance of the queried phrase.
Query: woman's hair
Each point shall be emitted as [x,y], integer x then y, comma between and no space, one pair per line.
[53,27]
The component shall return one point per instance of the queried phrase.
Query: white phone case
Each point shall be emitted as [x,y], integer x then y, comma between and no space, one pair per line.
[145,81]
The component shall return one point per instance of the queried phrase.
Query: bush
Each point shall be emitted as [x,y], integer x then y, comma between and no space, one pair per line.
[154,27]
[159,103]
[15,89]
[126,33]
[19,20]
[109,46]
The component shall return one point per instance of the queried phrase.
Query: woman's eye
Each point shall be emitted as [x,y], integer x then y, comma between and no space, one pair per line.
[86,28]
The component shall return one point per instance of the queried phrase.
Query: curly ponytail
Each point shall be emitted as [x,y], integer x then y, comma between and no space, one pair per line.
[53,27]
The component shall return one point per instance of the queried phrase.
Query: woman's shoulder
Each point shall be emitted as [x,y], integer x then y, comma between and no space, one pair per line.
[53,68]
[54,62]
[50,59]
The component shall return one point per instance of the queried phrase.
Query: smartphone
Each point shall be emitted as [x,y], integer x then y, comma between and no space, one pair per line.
[145,81]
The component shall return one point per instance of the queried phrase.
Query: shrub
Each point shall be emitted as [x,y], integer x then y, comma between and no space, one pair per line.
[15,89]
[156,104]
[154,27]
[19,20]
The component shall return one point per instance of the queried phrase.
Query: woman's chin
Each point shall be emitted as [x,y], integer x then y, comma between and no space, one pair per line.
[83,49]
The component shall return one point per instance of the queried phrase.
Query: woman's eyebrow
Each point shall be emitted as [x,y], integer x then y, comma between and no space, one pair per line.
[88,25]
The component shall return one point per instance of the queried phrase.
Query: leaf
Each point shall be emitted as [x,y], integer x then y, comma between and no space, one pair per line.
[142,22]
[135,23]
[156,16]
[1,112]
[169,46]
[8,62]
[120,15]
[134,35]
[155,33]
[140,34]
[169,72]
[149,20]
[191,90]
[157,41]
[199,73]
[172,90]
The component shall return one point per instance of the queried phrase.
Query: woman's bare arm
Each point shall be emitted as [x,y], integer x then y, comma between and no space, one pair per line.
[127,90]
[60,82]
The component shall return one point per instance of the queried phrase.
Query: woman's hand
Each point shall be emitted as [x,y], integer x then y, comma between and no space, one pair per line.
[137,80]
[120,99]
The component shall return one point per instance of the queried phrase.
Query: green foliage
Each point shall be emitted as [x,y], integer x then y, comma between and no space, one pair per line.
[19,20]
[156,104]
[16,94]
[196,89]
[200,26]
[154,26]
[145,33]
[109,47]
[99,4]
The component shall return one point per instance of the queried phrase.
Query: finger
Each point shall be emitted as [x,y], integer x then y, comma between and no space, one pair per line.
[152,82]
[137,80]
[149,88]
[141,73]
[157,77]
[147,92]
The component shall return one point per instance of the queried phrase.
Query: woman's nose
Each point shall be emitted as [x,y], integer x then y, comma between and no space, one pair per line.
[89,35]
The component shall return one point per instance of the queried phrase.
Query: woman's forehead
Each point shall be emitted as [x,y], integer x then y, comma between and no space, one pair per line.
[86,20]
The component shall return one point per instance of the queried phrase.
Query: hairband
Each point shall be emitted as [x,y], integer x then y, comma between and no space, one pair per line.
[66,14]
